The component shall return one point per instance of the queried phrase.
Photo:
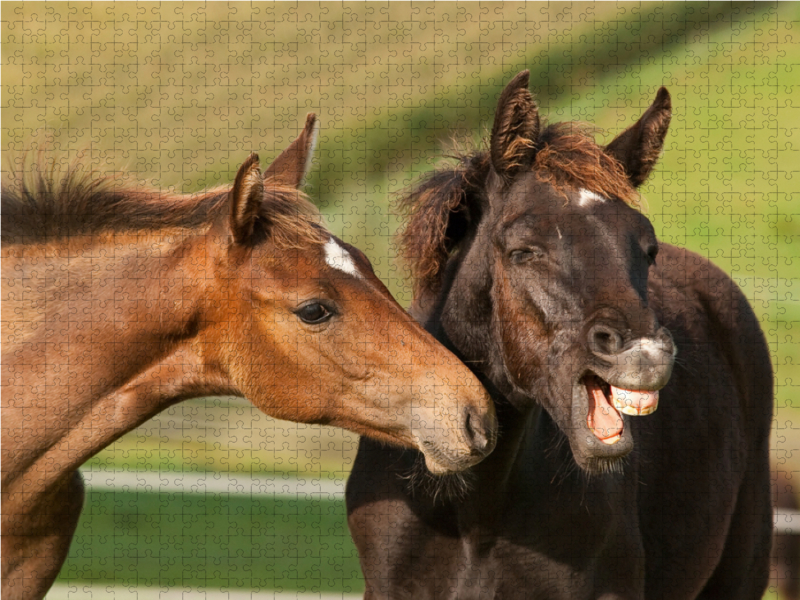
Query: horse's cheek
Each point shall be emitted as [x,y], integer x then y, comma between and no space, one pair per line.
[518,334]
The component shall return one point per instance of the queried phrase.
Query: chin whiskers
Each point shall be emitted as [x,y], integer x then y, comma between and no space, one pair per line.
[441,488]
[605,466]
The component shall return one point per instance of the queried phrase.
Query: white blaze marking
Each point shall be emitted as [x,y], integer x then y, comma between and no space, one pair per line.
[587,197]
[339,258]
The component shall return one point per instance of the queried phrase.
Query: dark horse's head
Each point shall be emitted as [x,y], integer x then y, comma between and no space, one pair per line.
[536,266]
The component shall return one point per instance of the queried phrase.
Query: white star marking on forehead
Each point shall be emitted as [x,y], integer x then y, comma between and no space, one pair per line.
[588,197]
[339,258]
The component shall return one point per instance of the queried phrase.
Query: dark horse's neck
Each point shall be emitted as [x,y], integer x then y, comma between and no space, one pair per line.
[529,445]
[524,428]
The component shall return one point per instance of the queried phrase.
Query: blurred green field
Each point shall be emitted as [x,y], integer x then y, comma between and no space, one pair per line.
[214,541]
[180,93]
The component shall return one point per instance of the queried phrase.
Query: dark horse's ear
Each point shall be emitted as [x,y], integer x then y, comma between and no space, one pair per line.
[292,165]
[638,147]
[246,198]
[515,129]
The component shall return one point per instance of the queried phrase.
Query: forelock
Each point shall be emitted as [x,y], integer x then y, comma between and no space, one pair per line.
[569,158]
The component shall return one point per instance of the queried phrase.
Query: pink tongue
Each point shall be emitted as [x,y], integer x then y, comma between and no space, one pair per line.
[603,419]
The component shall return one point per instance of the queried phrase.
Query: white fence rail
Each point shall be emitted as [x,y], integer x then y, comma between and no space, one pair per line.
[786,521]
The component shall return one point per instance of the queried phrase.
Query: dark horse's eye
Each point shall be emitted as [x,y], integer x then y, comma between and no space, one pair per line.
[652,252]
[518,257]
[313,313]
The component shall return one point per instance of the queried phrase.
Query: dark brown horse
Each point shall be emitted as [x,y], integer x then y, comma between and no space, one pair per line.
[532,265]
[118,303]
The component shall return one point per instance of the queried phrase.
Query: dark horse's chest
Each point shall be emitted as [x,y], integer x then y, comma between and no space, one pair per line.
[554,546]
[551,534]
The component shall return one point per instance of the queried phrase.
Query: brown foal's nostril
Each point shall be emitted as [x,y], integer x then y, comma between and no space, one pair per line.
[480,433]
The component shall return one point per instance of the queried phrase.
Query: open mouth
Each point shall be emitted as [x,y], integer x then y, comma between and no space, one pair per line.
[606,402]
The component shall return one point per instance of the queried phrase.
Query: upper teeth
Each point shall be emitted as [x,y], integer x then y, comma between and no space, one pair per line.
[634,403]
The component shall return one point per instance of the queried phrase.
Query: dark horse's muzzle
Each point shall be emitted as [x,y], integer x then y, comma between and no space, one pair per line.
[643,363]
[622,378]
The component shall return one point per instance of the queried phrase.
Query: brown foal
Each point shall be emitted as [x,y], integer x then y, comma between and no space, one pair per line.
[118,303]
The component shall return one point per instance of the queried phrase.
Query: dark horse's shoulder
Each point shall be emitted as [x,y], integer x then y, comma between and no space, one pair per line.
[693,281]
[691,273]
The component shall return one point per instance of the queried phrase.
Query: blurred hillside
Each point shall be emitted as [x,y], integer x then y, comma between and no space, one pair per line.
[180,93]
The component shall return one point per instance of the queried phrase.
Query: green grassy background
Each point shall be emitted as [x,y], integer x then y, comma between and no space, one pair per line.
[221,541]
[180,93]
[214,541]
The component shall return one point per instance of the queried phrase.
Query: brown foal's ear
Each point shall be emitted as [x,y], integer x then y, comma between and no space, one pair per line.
[515,129]
[292,165]
[639,147]
[246,198]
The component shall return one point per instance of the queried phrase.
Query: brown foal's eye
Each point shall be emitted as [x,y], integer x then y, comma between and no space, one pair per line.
[314,313]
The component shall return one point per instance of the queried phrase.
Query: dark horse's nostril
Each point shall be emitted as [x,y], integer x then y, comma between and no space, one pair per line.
[476,432]
[604,340]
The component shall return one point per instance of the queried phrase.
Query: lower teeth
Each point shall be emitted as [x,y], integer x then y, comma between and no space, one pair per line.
[631,410]
[625,408]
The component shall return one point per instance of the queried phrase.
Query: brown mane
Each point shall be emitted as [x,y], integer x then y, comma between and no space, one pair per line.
[567,158]
[46,205]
